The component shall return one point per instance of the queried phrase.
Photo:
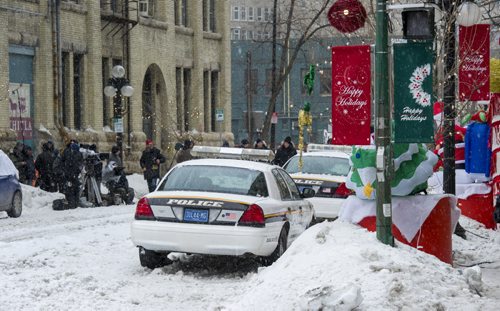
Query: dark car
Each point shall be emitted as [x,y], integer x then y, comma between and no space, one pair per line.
[10,189]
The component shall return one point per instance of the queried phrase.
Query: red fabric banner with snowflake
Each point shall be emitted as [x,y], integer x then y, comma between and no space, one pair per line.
[474,63]
[413,109]
[351,96]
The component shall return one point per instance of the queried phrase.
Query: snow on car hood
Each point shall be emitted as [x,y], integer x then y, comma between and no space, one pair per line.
[6,166]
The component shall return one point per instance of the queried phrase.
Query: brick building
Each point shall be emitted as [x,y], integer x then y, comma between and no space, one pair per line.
[56,57]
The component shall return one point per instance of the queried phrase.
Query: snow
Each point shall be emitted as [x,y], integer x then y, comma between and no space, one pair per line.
[83,259]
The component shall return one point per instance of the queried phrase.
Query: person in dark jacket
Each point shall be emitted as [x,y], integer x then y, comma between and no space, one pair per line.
[29,172]
[17,157]
[71,164]
[44,164]
[285,152]
[185,153]
[260,144]
[150,163]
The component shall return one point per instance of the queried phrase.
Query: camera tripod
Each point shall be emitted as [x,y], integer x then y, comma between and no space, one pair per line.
[93,191]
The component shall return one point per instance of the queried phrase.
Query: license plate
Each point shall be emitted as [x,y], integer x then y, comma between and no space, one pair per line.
[195,215]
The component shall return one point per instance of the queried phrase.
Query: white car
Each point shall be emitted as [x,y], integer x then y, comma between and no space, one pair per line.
[220,207]
[325,172]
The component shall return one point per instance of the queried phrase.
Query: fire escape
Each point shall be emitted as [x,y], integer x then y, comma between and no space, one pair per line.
[119,18]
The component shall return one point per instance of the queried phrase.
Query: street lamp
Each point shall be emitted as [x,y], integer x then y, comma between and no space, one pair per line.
[469,14]
[118,86]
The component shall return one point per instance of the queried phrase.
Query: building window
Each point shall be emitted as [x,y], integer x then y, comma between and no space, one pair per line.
[235,34]
[236,13]
[214,94]
[205,15]
[206,101]
[78,87]
[267,35]
[250,14]
[178,98]
[146,8]
[266,14]
[259,35]
[177,19]
[243,34]
[250,34]
[187,92]
[184,15]
[106,117]
[252,86]
[65,76]
[211,12]
[325,82]
[259,14]
[243,13]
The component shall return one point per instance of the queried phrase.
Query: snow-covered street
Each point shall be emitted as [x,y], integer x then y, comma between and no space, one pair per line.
[83,259]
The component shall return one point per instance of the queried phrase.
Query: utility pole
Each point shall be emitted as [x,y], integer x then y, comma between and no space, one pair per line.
[273,78]
[449,103]
[249,96]
[383,127]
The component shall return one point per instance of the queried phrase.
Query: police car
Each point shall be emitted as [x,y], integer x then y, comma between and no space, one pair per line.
[220,207]
[324,169]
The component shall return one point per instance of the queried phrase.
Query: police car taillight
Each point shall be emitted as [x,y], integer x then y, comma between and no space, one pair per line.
[143,210]
[253,216]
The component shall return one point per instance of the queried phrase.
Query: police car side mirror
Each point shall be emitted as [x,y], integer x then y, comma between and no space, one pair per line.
[308,193]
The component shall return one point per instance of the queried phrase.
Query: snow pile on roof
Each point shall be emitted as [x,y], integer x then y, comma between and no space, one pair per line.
[339,266]
[37,198]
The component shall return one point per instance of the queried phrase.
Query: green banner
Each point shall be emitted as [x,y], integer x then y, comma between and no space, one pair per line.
[413,100]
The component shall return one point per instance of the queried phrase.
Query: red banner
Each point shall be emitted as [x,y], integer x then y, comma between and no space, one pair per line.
[474,63]
[351,97]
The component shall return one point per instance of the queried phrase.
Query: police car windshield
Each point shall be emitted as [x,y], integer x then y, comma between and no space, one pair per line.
[233,180]
[319,165]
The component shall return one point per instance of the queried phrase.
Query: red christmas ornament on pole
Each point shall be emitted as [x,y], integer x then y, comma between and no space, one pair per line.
[347,15]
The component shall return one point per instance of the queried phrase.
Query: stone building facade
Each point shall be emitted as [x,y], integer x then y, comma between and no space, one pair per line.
[56,57]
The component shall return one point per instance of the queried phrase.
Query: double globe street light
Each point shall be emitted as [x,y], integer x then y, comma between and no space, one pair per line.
[118,87]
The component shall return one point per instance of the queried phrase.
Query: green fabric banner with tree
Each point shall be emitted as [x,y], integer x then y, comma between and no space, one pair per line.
[413,114]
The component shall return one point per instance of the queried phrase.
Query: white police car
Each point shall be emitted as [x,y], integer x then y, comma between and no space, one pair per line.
[324,170]
[220,207]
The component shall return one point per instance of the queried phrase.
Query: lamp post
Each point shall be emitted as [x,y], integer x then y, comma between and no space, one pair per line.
[118,86]
[468,15]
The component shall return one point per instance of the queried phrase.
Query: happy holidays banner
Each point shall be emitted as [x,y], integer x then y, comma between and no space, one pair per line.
[351,97]
[413,110]
[474,63]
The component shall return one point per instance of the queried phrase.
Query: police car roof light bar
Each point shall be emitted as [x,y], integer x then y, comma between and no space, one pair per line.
[232,153]
[320,147]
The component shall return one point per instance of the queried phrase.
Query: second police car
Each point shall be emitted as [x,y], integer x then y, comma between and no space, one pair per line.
[220,207]
[324,169]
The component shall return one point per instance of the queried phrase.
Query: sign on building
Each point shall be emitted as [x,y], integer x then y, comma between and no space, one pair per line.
[19,110]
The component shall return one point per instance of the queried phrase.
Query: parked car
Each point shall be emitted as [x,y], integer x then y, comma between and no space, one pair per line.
[325,172]
[220,207]
[10,188]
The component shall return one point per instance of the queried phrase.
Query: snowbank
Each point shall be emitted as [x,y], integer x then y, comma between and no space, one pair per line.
[36,198]
[339,266]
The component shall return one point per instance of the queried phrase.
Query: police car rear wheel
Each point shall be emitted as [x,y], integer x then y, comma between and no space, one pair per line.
[152,259]
[280,248]
[17,205]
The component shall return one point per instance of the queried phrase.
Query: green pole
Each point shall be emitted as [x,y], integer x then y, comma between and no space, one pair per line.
[383,127]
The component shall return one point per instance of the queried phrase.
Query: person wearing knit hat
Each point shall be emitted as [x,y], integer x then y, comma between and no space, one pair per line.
[150,163]
[284,152]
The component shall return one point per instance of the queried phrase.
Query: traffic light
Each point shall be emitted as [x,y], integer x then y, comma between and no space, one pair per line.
[418,23]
